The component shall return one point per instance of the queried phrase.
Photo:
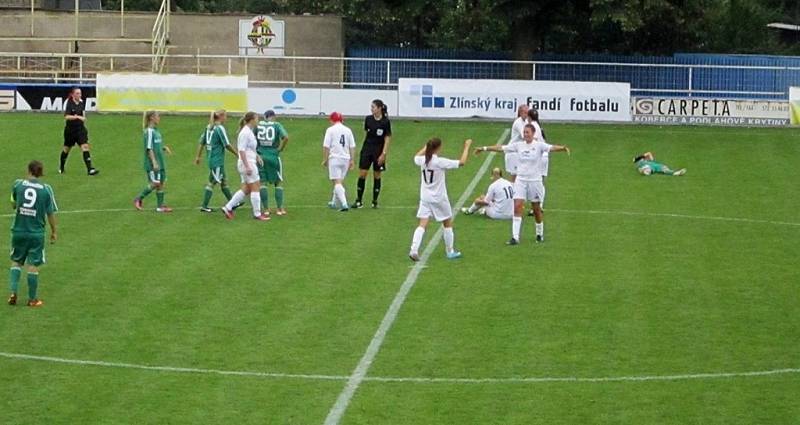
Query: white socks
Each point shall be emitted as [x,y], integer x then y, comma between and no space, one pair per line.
[255,200]
[516,226]
[235,200]
[449,238]
[338,193]
[473,208]
[416,241]
[539,229]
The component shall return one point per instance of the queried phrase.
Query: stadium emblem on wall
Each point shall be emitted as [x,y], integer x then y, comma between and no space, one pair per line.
[261,34]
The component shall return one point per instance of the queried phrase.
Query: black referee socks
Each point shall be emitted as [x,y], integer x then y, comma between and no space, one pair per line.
[87,159]
[362,183]
[376,190]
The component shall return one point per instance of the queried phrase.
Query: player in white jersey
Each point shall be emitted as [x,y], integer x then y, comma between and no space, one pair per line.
[338,150]
[247,165]
[517,128]
[533,119]
[433,199]
[498,203]
[528,186]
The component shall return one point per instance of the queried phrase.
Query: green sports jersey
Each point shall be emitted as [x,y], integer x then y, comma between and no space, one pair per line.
[657,167]
[33,201]
[269,135]
[215,139]
[151,139]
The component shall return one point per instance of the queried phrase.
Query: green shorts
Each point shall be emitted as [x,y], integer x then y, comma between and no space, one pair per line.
[216,175]
[27,247]
[157,176]
[272,170]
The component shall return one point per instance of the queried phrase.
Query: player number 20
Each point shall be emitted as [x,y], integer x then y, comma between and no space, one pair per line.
[266,134]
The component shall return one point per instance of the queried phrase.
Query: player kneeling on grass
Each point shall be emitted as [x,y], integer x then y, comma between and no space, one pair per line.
[338,150]
[247,165]
[272,139]
[647,165]
[498,203]
[154,164]
[433,199]
[214,141]
[33,201]
[528,185]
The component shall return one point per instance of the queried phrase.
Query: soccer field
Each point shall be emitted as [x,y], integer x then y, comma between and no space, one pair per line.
[663,300]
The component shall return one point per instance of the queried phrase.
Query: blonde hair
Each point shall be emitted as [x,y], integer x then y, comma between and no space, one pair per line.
[147,116]
[215,116]
[250,116]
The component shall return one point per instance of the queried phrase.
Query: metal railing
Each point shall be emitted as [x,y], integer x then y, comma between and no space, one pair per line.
[752,82]
[160,35]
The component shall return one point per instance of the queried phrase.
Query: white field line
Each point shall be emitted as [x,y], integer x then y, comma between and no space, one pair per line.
[562,210]
[360,372]
[319,377]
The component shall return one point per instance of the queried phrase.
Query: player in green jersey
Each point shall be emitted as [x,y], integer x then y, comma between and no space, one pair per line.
[647,165]
[272,139]
[154,164]
[215,141]
[34,201]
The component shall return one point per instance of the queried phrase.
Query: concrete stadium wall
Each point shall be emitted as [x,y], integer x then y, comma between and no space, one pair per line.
[211,34]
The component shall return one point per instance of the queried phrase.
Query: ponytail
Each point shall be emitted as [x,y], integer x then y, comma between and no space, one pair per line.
[430,148]
[146,117]
[250,116]
[215,116]
[382,106]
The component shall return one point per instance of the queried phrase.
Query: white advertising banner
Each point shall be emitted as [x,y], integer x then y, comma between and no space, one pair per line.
[709,111]
[291,101]
[555,100]
[261,36]
[171,92]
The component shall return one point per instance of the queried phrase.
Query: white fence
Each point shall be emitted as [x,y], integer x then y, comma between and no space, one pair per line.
[742,82]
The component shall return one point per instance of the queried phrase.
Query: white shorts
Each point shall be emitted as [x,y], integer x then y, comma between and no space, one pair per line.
[440,211]
[337,168]
[248,179]
[512,161]
[496,214]
[528,190]
[545,163]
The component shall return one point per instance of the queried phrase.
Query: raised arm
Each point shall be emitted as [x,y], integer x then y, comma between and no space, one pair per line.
[420,152]
[560,148]
[465,153]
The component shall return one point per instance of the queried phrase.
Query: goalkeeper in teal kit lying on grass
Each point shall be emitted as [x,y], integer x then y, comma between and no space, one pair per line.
[647,165]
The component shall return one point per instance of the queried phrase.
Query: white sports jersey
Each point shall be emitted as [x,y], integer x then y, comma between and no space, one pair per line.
[539,135]
[530,159]
[339,140]
[501,196]
[517,129]
[432,182]
[247,142]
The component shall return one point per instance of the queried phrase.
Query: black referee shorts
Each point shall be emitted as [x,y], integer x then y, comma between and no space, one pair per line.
[74,137]
[369,158]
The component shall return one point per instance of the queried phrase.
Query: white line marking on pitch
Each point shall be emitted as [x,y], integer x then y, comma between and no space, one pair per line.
[571,211]
[420,380]
[360,372]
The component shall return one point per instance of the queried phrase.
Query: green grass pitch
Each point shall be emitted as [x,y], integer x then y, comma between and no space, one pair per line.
[639,277]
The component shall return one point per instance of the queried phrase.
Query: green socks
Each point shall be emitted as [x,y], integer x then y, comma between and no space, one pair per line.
[160,197]
[264,197]
[14,275]
[279,196]
[33,285]
[207,196]
[226,192]
[148,190]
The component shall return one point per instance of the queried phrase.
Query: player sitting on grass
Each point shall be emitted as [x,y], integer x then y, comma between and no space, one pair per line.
[647,165]
[498,203]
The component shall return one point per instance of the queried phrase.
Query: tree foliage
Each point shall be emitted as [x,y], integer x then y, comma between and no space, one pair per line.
[526,27]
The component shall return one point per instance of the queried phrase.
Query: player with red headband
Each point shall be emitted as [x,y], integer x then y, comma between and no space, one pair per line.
[338,151]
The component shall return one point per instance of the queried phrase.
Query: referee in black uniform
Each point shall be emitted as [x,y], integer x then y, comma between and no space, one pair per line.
[374,151]
[75,132]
